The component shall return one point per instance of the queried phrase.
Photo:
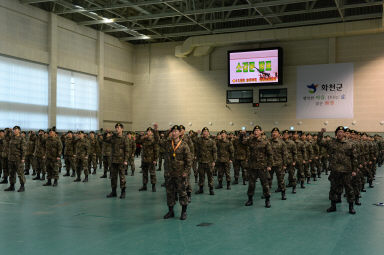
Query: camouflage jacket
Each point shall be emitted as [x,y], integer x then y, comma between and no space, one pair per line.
[225,151]
[30,145]
[2,146]
[120,148]
[150,149]
[188,140]
[106,149]
[315,149]
[301,151]
[132,145]
[291,151]
[309,150]
[240,149]
[259,153]
[180,160]
[279,152]
[342,155]
[93,146]
[16,148]
[82,148]
[53,148]
[70,147]
[206,151]
[40,146]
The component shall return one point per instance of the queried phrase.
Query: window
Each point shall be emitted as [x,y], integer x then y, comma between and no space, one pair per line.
[239,96]
[272,95]
[23,94]
[77,101]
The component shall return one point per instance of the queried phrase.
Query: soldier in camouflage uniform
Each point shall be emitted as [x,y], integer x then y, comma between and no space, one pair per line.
[206,153]
[93,149]
[308,160]
[324,158]
[16,159]
[99,155]
[53,148]
[240,156]
[280,155]
[290,160]
[149,156]
[302,157]
[120,154]
[191,146]
[131,158]
[81,157]
[343,165]
[260,161]
[29,158]
[315,164]
[225,155]
[40,156]
[356,180]
[368,156]
[180,160]
[107,155]
[162,143]
[69,151]
[4,142]
[193,136]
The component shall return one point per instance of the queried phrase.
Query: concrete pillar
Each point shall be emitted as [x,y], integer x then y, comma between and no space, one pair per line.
[52,69]
[100,75]
[332,50]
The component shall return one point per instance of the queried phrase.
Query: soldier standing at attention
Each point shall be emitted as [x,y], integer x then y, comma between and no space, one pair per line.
[53,148]
[40,156]
[93,149]
[225,153]
[131,158]
[290,160]
[206,153]
[69,151]
[29,153]
[308,160]
[107,154]
[343,164]
[240,156]
[2,148]
[16,158]
[280,155]
[120,155]
[150,153]
[193,137]
[260,162]
[81,155]
[4,155]
[180,161]
[189,141]
[99,156]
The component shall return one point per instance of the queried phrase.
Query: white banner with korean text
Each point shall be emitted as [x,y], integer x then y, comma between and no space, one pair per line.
[325,91]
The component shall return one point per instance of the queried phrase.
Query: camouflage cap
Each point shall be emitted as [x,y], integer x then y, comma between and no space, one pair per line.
[297,132]
[285,132]
[347,130]
[204,129]
[150,129]
[275,129]
[52,129]
[69,132]
[223,132]
[92,132]
[176,127]
[16,127]
[353,132]
[257,127]
[182,127]
[119,125]
[339,128]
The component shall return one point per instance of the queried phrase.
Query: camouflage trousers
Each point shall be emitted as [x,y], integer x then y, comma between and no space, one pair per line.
[107,162]
[131,164]
[177,186]
[69,163]
[92,163]
[161,158]
[300,171]
[237,164]
[81,165]
[40,165]
[223,168]
[280,173]
[4,167]
[324,164]
[307,173]
[315,167]
[51,165]
[262,174]
[117,169]
[194,167]
[356,184]
[340,180]
[205,169]
[291,175]
[29,162]
[16,167]
[99,160]
[148,168]
[367,173]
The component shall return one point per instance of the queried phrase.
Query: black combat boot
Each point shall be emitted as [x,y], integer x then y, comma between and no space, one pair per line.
[196,179]
[314,178]
[4,181]
[85,178]
[236,181]
[363,188]
[104,175]
[144,188]
[126,172]
[133,173]
[153,187]
[49,183]
[302,185]
[333,207]
[43,177]
[250,201]
[338,201]
[211,191]
[67,174]
[122,195]
[73,173]
[21,189]
[357,202]
[220,185]
[55,183]
[289,185]
[294,189]
[228,185]
[112,194]
[37,177]
[170,213]
[183,215]
[351,210]
[244,182]
[94,171]
[33,173]
[189,197]
[200,191]
[267,203]
[283,197]
[319,175]
[10,188]
[326,172]
[278,190]
[370,184]
[26,172]
[77,179]
[308,180]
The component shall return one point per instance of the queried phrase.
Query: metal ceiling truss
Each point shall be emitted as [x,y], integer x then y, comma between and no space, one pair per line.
[141,21]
